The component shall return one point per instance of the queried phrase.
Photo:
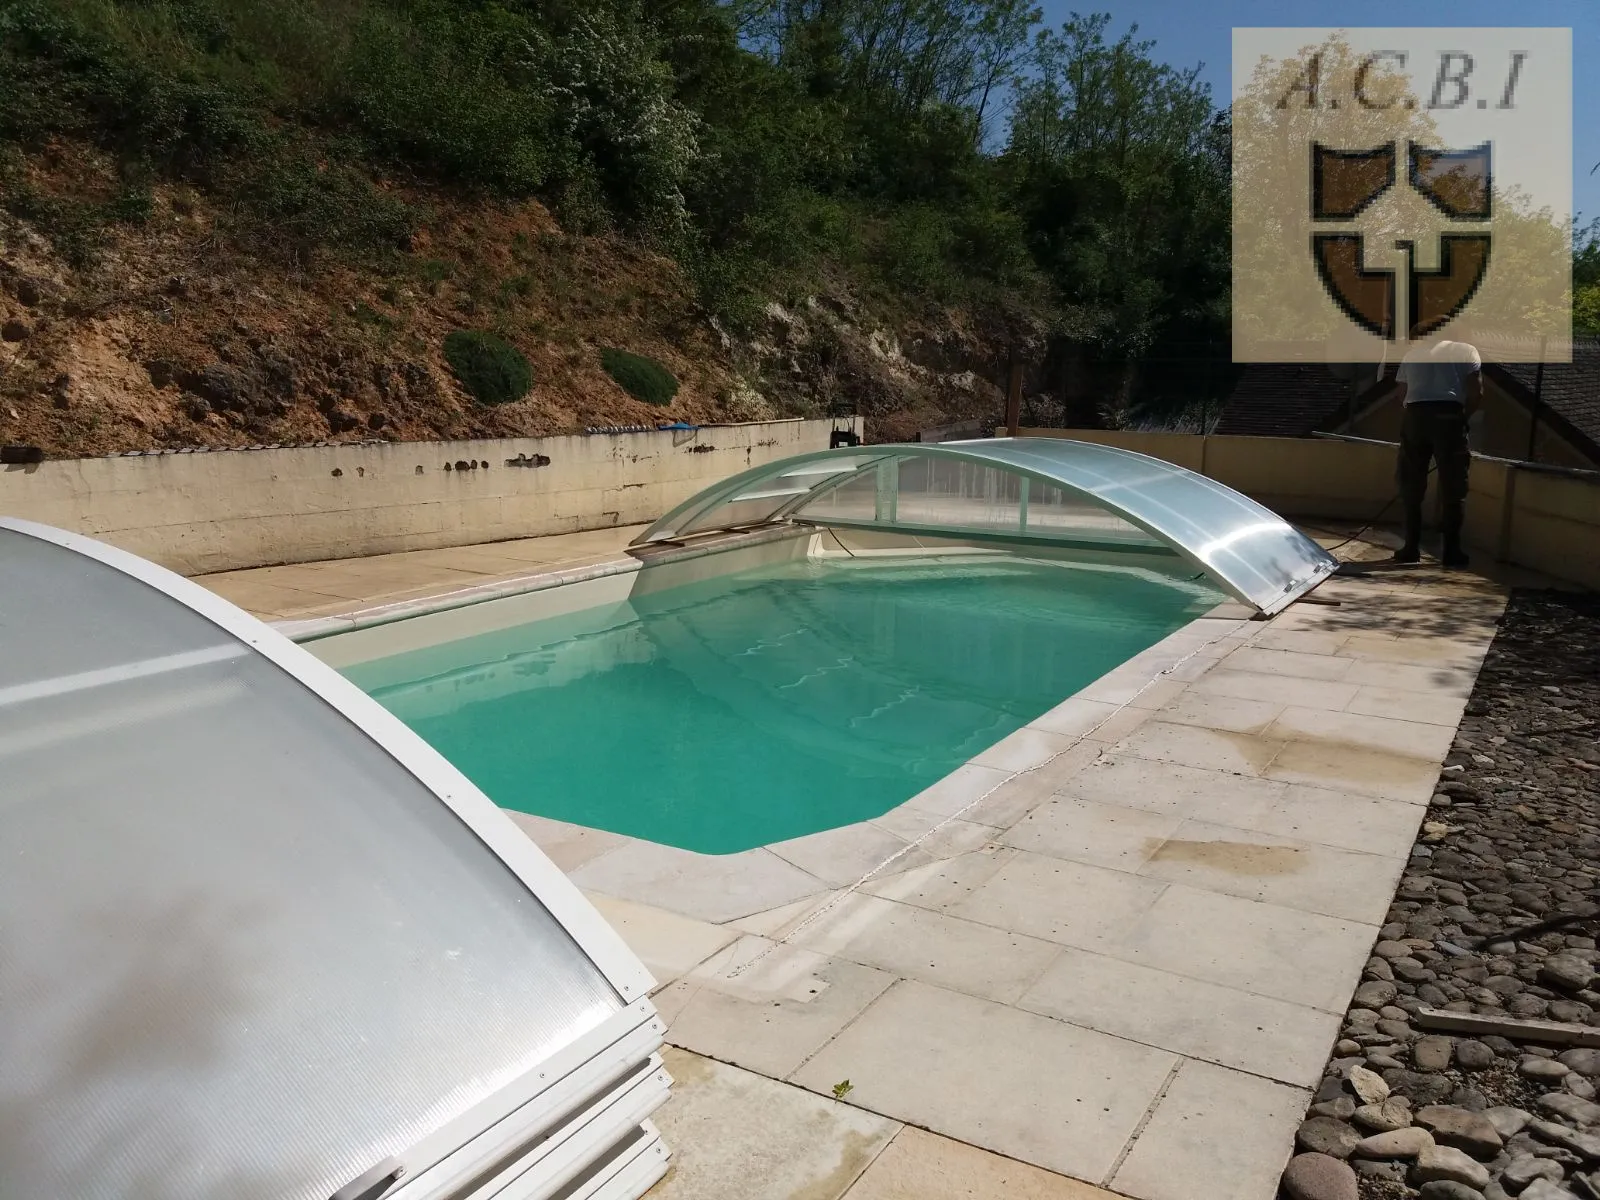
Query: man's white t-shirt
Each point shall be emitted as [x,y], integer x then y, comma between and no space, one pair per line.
[1437,372]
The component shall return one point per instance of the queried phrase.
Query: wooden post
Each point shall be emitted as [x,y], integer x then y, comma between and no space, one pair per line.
[1508,514]
[1538,398]
[1014,396]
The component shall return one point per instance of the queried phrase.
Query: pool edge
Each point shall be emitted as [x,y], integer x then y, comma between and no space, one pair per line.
[1062,729]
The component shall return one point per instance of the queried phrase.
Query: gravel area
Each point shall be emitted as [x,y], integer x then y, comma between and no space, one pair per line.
[1512,839]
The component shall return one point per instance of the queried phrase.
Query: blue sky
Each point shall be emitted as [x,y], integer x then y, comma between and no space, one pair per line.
[1187,32]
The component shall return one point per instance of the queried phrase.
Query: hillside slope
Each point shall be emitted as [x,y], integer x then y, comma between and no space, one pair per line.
[177,334]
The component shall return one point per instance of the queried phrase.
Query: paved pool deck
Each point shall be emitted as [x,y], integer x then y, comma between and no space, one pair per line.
[306,591]
[1109,956]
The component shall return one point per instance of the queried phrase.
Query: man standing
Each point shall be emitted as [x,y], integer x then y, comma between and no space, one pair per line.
[1440,386]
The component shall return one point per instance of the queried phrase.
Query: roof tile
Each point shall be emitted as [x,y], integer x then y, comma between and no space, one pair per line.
[1282,400]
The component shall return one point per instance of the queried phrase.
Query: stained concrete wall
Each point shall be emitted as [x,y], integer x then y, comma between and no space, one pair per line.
[225,510]
[1553,524]
[1543,518]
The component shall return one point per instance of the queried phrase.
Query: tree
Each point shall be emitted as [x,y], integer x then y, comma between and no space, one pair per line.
[899,57]
[1330,95]
[1287,107]
[1119,169]
[1586,280]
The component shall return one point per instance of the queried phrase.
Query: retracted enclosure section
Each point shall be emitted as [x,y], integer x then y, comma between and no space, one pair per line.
[1023,490]
[260,941]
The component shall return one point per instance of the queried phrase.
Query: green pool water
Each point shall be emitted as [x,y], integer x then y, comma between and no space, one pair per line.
[761,706]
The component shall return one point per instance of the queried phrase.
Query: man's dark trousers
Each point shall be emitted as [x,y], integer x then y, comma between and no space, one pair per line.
[1434,430]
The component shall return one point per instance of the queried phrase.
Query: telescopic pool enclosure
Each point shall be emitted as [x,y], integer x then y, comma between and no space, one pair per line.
[258,940]
[1043,491]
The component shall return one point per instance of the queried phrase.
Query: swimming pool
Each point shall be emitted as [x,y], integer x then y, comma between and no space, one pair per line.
[733,712]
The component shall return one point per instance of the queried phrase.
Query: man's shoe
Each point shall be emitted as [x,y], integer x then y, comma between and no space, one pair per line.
[1455,558]
[1407,554]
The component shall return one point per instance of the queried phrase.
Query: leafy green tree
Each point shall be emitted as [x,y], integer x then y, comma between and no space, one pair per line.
[1119,169]
[1586,280]
[774,147]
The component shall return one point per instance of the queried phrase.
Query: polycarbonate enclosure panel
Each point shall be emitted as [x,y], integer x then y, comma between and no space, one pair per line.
[243,951]
[41,582]
[1056,488]
[1067,514]
[951,492]
[1255,553]
[717,507]
[855,498]
[736,513]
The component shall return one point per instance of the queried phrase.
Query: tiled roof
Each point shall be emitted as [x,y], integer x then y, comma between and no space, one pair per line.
[1294,400]
[1571,391]
[1282,400]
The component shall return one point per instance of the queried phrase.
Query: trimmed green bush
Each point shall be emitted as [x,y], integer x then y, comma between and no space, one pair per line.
[642,378]
[493,370]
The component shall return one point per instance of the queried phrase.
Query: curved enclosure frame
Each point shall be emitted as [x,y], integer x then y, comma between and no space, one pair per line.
[1051,491]
[262,941]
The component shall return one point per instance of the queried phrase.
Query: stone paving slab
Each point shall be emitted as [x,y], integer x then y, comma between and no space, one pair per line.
[937,838]
[1120,936]
[1056,1095]
[944,885]
[708,887]
[935,947]
[1351,767]
[1201,882]
[1098,835]
[669,945]
[769,1015]
[1284,953]
[736,1135]
[1069,903]
[919,1165]
[301,590]
[1276,870]
[1233,1028]
[568,846]
[840,857]
[1216,1134]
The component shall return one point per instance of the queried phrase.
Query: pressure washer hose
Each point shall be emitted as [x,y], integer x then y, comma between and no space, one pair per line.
[1377,516]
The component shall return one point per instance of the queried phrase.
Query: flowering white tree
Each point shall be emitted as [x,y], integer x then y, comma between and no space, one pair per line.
[613,98]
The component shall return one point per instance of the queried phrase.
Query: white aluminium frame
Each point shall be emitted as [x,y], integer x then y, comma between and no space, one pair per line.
[514,1112]
[1015,456]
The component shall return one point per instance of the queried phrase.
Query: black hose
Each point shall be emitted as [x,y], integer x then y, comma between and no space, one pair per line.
[1526,931]
[1377,516]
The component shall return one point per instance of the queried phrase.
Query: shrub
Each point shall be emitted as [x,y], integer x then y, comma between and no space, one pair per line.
[492,370]
[515,287]
[436,86]
[368,315]
[77,229]
[916,251]
[642,378]
[297,202]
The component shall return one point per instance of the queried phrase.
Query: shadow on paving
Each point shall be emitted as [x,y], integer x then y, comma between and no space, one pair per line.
[1450,605]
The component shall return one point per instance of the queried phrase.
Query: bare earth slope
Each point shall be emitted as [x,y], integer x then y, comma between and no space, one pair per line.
[178,335]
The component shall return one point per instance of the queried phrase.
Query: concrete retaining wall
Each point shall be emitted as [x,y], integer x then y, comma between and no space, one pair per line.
[225,510]
[1545,519]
